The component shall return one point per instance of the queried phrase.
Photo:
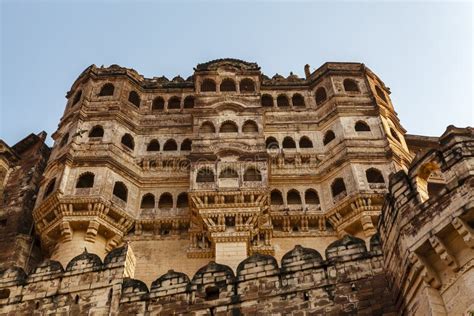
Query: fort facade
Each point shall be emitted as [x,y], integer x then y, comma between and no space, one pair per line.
[232,193]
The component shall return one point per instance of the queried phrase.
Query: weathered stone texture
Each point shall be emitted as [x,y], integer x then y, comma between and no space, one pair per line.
[249,195]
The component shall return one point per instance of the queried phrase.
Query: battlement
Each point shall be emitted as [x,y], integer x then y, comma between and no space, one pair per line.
[350,280]
[427,227]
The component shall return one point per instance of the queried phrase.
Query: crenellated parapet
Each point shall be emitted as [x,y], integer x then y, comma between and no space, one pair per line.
[427,228]
[349,280]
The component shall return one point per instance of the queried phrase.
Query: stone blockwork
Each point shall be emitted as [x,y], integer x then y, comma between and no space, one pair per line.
[241,181]
[427,229]
[349,281]
[21,169]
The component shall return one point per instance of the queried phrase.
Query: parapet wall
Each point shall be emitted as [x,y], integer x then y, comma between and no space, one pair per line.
[427,229]
[349,281]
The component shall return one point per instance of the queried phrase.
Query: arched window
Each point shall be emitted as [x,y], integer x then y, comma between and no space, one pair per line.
[205,175]
[86,180]
[127,141]
[361,126]
[252,174]
[182,201]
[430,181]
[106,90]
[321,95]
[380,93]
[350,85]
[208,85]
[228,127]
[293,197]
[328,137]
[77,97]
[188,102]
[186,145]
[247,85]
[394,134]
[374,176]
[158,104]
[267,100]
[64,140]
[49,187]
[297,99]
[97,132]
[227,85]
[272,143]
[282,101]
[154,145]
[170,145]
[207,128]
[134,98]
[338,187]
[228,173]
[311,197]
[276,198]
[174,103]
[148,201]
[305,142]
[120,191]
[250,127]
[166,201]
[288,142]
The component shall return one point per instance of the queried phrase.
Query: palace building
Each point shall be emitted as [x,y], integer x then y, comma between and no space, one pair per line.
[233,193]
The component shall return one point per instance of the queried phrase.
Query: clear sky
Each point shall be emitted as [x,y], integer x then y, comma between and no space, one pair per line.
[422,50]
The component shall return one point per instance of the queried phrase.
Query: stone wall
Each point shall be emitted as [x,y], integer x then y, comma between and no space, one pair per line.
[427,229]
[22,166]
[349,281]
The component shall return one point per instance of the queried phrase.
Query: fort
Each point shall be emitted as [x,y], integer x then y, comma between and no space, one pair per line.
[233,193]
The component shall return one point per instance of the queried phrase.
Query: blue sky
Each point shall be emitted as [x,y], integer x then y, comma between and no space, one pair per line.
[421,50]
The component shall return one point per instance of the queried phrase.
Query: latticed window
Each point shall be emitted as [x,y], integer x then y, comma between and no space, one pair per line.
[205,175]
[252,174]
[228,173]
[228,127]
[250,127]
[207,128]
